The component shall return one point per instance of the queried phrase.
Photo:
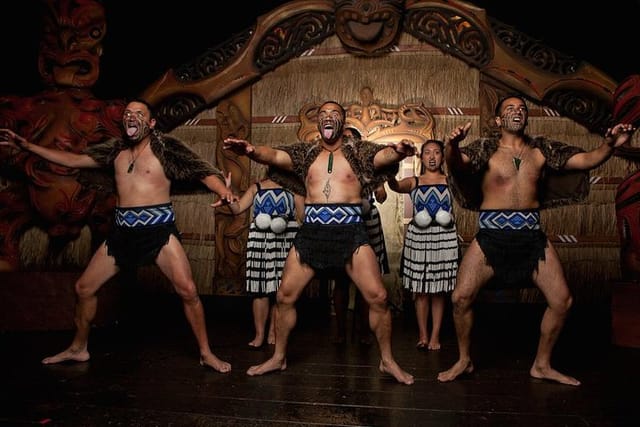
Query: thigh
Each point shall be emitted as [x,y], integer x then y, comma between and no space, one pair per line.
[101,268]
[550,278]
[473,272]
[295,277]
[364,271]
[173,262]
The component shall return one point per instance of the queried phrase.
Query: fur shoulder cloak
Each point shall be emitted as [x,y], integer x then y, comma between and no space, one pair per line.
[358,153]
[557,187]
[181,164]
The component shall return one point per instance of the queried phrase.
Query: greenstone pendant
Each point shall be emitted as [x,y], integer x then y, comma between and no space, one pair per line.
[516,163]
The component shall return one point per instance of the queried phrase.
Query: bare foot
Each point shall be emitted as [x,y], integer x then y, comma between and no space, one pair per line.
[460,367]
[270,365]
[434,345]
[256,343]
[392,368]
[552,375]
[68,355]
[214,363]
[272,338]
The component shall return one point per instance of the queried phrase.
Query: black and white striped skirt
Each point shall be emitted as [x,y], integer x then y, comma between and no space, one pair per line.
[266,254]
[430,258]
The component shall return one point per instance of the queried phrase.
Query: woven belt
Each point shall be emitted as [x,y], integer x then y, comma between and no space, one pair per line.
[145,216]
[333,214]
[510,220]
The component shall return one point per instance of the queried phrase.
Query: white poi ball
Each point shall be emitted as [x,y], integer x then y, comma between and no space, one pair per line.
[263,221]
[366,206]
[423,219]
[278,224]
[443,218]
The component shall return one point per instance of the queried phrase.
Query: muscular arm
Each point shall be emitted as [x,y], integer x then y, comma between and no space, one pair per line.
[455,159]
[261,154]
[215,184]
[64,158]
[394,153]
[615,137]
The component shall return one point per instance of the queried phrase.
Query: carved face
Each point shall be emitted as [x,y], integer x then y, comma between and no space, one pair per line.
[71,46]
[368,26]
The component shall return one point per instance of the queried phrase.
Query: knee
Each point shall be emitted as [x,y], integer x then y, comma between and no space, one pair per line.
[186,289]
[84,289]
[566,304]
[378,298]
[461,301]
[285,297]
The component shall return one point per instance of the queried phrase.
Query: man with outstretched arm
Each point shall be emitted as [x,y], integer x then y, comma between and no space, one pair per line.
[334,173]
[506,179]
[145,164]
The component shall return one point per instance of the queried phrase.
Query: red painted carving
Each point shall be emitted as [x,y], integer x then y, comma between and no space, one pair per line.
[66,116]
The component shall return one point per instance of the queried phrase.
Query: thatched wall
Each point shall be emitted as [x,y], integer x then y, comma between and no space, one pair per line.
[584,234]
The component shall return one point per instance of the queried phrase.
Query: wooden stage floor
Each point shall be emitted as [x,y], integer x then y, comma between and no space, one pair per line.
[144,371]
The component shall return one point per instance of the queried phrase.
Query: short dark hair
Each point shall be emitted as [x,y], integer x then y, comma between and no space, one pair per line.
[504,98]
[342,110]
[145,103]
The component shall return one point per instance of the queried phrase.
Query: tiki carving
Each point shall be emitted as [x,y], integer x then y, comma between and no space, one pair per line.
[368,27]
[231,230]
[51,200]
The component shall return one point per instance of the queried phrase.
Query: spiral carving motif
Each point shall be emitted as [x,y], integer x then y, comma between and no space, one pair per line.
[214,59]
[533,51]
[451,32]
[292,37]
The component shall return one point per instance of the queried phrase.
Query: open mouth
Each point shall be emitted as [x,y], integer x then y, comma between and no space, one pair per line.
[328,129]
[132,129]
[78,66]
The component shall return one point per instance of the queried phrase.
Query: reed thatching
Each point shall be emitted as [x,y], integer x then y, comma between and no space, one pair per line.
[437,81]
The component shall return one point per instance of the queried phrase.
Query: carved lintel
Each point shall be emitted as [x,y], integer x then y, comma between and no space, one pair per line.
[368,27]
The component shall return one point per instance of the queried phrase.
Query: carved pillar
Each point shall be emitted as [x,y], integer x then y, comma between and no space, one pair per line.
[233,116]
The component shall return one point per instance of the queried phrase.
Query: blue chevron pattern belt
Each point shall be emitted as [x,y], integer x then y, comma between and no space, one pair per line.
[332,214]
[144,216]
[510,220]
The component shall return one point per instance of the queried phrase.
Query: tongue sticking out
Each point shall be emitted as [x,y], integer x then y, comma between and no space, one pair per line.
[327,133]
[131,131]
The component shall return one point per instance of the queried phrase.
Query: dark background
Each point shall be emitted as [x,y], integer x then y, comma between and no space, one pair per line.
[145,38]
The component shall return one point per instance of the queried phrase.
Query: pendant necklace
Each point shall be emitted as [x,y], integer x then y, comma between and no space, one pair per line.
[517,160]
[132,162]
[330,164]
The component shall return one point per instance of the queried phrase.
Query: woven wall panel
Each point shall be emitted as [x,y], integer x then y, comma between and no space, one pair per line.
[450,90]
